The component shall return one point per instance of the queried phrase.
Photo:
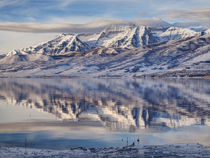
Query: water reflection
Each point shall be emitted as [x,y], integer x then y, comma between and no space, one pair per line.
[115,104]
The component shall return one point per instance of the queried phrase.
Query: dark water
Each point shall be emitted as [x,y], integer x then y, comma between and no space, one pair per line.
[66,113]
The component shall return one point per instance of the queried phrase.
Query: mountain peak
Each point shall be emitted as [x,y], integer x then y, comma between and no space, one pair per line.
[62,44]
[16,52]
[175,33]
[119,27]
[125,36]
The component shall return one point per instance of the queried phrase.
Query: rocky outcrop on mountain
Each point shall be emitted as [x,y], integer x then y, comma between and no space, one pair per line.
[125,37]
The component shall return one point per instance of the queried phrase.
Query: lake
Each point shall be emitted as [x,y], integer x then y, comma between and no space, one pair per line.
[89,112]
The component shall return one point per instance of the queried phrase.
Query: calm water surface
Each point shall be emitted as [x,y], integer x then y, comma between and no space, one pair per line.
[66,113]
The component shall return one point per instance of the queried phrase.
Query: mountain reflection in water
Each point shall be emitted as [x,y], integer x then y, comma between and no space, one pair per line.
[115,104]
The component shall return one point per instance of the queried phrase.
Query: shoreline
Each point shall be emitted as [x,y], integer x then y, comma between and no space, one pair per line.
[171,150]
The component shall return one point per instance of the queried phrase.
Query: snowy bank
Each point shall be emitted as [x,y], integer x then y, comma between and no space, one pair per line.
[180,150]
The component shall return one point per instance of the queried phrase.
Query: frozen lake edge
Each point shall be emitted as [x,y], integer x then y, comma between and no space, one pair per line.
[179,150]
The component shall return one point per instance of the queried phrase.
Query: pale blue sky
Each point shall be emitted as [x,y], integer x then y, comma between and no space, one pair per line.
[47,10]
[56,16]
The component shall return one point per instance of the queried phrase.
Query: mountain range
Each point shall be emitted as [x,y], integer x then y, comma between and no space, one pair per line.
[126,50]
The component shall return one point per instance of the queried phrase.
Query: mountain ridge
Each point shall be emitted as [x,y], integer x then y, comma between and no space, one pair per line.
[115,36]
[118,50]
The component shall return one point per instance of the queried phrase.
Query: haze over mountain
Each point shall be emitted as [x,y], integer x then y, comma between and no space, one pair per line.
[119,50]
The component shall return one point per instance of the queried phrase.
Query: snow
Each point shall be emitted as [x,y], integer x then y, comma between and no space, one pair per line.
[118,50]
[176,150]
[130,36]
[62,44]
[16,52]
[207,31]
[175,33]
[115,36]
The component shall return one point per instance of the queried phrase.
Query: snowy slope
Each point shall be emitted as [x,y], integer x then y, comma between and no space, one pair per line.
[207,31]
[62,44]
[120,36]
[18,56]
[175,33]
[128,36]
[180,150]
[16,52]
[90,39]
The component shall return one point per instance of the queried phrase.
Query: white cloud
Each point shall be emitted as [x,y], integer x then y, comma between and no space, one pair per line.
[4,3]
[92,26]
[200,16]
[77,26]
[65,3]
[152,22]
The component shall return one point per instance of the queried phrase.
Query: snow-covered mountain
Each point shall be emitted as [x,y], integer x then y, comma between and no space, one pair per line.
[118,50]
[185,57]
[175,33]
[125,37]
[115,36]
[61,45]
[207,31]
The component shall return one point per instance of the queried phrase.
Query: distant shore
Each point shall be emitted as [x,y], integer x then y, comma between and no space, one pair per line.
[179,150]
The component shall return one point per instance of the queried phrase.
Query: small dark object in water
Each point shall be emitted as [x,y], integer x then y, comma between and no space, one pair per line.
[138,140]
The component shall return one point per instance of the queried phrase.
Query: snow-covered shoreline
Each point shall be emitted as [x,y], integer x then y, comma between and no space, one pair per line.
[179,150]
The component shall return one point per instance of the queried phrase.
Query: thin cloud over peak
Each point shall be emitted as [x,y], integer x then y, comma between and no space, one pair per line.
[91,26]
[199,15]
